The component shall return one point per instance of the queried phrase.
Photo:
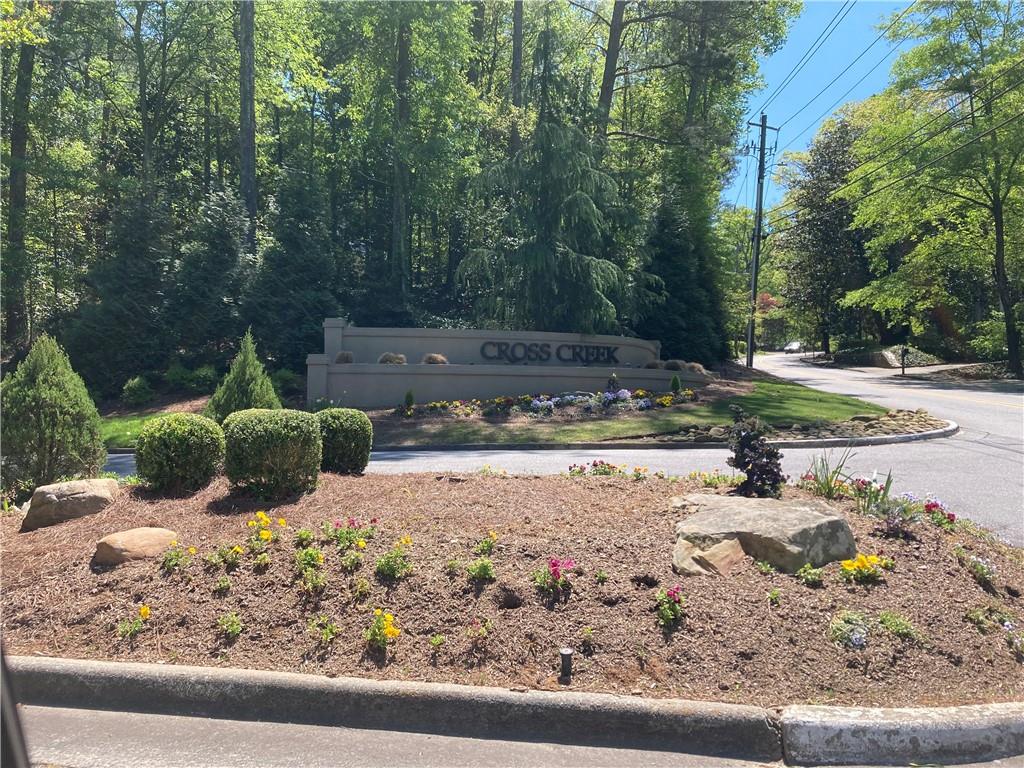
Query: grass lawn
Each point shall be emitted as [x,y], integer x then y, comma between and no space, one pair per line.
[122,430]
[776,402]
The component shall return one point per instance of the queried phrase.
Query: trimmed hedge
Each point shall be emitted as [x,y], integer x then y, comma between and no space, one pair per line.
[179,453]
[273,453]
[347,438]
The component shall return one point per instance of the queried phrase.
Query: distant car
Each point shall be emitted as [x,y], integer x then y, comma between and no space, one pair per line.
[793,346]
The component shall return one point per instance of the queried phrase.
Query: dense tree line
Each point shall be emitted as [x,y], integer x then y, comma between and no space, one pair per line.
[178,171]
[906,216]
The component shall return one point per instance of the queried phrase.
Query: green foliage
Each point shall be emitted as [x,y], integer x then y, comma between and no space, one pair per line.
[849,629]
[180,452]
[394,564]
[826,479]
[752,455]
[899,625]
[323,628]
[50,427]
[272,453]
[304,537]
[481,569]
[810,576]
[347,439]
[245,386]
[676,385]
[764,567]
[287,383]
[668,606]
[136,391]
[230,625]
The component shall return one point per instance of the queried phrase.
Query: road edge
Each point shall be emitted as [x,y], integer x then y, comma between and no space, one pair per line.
[703,728]
[800,735]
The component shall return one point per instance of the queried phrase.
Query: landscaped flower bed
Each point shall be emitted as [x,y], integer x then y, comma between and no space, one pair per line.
[480,579]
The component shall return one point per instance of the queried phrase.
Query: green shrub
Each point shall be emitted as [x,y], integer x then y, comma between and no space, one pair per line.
[50,427]
[177,377]
[272,452]
[752,455]
[391,358]
[287,383]
[435,358]
[347,438]
[136,391]
[246,386]
[676,385]
[180,452]
[203,380]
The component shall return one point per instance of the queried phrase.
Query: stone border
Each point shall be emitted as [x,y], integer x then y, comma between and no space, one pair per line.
[801,735]
[728,730]
[950,429]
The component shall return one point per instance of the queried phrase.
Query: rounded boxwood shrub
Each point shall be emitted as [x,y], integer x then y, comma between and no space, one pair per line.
[272,453]
[347,437]
[435,358]
[391,358]
[136,391]
[179,453]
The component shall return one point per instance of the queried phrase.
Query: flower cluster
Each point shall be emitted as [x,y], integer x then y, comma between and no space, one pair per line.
[129,628]
[863,569]
[553,578]
[716,479]
[382,630]
[669,605]
[850,629]
[262,531]
[349,533]
[939,515]
[982,569]
[394,564]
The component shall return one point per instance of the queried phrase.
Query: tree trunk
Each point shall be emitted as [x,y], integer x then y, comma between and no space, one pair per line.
[1003,291]
[517,71]
[611,63]
[247,122]
[207,153]
[400,264]
[15,264]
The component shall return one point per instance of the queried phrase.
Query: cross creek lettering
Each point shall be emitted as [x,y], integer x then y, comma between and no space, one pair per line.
[541,352]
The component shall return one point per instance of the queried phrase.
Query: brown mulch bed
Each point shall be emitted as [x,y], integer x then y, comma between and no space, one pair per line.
[160,404]
[732,646]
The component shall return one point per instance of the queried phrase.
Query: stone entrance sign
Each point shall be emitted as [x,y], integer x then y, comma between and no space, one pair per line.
[482,364]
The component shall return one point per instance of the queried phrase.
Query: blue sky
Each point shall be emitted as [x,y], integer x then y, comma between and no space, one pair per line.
[854,33]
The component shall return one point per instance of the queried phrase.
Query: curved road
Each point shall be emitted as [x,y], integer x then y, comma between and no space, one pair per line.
[978,473]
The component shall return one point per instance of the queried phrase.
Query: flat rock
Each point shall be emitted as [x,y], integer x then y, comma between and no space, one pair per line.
[682,559]
[56,503]
[788,534]
[133,544]
[722,558]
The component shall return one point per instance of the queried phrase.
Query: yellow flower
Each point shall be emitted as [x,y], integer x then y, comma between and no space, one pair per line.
[848,564]
[389,618]
[262,515]
[281,522]
[144,612]
[405,541]
[266,535]
[874,559]
[320,557]
[493,535]
[237,549]
[251,523]
[191,550]
[174,543]
[377,612]
[361,543]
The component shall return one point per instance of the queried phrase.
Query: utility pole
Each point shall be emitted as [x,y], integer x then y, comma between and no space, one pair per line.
[755,264]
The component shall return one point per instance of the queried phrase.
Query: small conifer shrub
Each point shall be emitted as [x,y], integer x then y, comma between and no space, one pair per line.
[245,386]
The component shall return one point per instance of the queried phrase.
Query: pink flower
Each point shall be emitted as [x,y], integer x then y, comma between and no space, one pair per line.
[373,521]
[337,523]
[675,594]
[951,517]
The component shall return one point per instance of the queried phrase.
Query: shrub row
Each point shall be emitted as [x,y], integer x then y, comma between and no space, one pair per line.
[268,452]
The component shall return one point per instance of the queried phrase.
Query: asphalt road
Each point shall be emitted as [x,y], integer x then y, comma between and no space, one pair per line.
[72,738]
[978,473]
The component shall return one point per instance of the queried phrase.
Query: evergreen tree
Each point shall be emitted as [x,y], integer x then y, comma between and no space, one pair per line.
[548,273]
[50,427]
[121,332]
[204,310]
[292,294]
[689,321]
[245,386]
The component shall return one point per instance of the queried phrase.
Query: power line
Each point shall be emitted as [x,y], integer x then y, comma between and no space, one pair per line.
[846,69]
[898,180]
[823,36]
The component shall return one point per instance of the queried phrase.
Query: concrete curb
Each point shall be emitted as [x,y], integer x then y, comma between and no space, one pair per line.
[951,428]
[702,728]
[947,735]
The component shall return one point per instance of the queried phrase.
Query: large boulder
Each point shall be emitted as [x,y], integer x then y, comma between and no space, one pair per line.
[52,504]
[133,544]
[788,534]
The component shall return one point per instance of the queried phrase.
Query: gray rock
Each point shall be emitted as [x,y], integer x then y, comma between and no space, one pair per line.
[56,503]
[788,534]
[682,559]
[718,432]
[723,558]
[133,544]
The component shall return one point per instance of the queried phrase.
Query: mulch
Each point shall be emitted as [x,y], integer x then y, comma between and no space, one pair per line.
[732,645]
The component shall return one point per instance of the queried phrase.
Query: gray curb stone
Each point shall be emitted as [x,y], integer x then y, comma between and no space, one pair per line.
[702,728]
[842,736]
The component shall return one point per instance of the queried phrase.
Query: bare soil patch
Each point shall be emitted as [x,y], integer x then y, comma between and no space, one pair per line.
[160,404]
[733,644]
